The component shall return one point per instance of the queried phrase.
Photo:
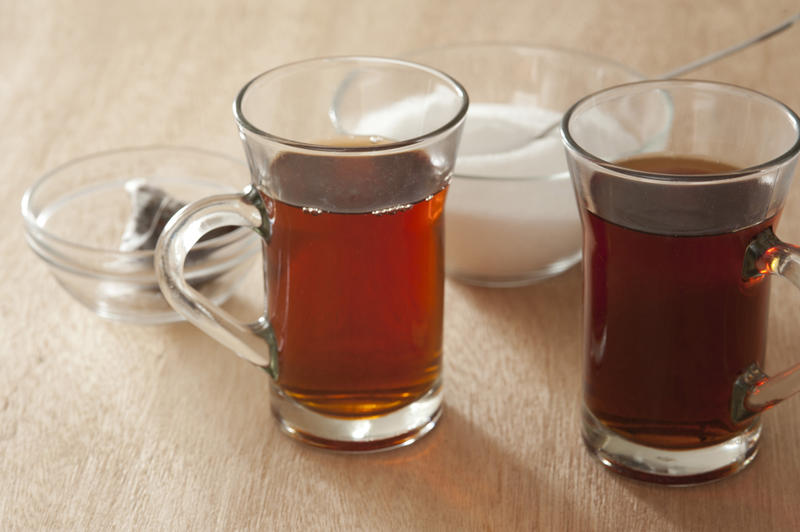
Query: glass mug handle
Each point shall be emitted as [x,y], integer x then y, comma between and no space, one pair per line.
[755,391]
[181,233]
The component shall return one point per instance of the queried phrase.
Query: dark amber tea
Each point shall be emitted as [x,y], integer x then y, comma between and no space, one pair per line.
[679,247]
[355,288]
[672,323]
[350,160]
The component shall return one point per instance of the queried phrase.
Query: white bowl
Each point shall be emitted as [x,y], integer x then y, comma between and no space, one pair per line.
[511,215]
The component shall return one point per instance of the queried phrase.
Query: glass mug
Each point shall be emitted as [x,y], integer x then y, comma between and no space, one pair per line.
[678,250]
[347,195]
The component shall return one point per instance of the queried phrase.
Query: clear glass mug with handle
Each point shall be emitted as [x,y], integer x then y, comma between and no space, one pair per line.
[347,194]
[679,247]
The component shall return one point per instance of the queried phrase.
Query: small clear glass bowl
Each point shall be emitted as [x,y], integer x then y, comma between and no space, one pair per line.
[511,214]
[75,216]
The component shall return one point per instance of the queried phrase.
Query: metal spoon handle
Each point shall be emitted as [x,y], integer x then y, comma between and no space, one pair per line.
[731,50]
[786,24]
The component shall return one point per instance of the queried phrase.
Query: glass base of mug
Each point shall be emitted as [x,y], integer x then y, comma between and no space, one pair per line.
[379,433]
[683,467]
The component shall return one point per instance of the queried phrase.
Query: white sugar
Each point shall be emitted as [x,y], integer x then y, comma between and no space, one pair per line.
[497,142]
[507,228]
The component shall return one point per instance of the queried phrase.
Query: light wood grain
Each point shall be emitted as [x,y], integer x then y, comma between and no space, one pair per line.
[105,425]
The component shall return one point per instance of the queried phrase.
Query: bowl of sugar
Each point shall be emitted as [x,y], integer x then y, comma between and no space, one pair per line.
[511,214]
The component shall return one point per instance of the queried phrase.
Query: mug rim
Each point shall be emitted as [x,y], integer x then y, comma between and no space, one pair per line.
[451,124]
[665,178]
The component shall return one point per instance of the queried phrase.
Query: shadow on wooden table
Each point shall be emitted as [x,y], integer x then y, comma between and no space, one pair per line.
[502,457]
[762,497]
[456,477]
[495,460]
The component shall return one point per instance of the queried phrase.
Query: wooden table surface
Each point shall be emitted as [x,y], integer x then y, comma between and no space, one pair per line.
[110,425]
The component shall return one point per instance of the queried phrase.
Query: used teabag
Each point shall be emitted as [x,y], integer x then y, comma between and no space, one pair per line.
[151,210]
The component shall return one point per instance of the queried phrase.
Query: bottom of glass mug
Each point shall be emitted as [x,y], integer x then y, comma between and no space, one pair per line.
[685,467]
[369,434]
